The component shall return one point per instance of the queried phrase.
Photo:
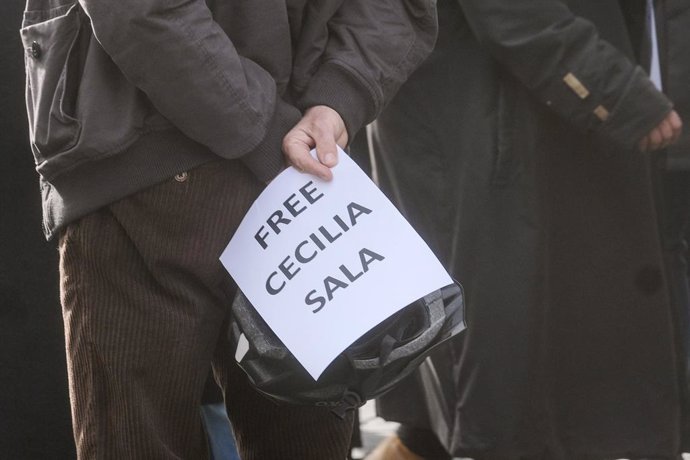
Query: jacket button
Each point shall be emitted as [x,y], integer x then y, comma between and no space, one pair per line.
[36,50]
[182,177]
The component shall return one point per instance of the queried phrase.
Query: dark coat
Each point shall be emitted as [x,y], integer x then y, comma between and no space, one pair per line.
[513,152]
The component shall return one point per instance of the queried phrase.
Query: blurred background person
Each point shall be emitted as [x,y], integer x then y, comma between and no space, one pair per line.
[529,152]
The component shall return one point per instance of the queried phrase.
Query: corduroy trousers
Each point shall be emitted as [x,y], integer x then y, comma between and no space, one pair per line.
[145,303]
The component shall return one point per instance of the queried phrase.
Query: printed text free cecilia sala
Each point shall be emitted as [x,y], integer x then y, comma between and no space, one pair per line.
[316,242]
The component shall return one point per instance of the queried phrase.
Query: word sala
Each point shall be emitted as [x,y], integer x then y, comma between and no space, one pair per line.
[331,283]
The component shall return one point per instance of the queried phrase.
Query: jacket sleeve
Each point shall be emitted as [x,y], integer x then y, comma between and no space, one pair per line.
[373,46]
[563,61]
[179,56]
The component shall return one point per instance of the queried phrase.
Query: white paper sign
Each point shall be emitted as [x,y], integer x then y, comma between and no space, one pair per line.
[324,262]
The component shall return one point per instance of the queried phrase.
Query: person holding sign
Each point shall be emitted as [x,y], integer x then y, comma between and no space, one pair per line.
[529,150]
[154,125]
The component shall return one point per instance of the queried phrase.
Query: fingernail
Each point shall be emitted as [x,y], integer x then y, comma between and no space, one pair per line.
[329,159]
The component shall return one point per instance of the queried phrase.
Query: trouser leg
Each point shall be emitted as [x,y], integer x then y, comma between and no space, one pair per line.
[144,300]
[142,303]
[265,430]
[137,352]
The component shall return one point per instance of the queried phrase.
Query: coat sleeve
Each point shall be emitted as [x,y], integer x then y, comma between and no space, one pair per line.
[176,53]
[373,46]
[563,61]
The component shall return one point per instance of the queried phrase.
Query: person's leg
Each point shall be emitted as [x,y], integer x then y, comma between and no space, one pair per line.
[221,440]
[219,432]
[143,309]
[265,430]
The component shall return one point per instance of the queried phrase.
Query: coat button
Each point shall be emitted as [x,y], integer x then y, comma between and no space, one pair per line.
[36,50]
[182,177]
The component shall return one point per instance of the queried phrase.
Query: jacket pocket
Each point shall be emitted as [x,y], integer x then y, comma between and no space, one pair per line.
[80,105]
[48,45]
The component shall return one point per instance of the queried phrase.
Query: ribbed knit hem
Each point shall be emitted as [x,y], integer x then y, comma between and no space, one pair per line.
[266,160]
[155,157]
[335,87]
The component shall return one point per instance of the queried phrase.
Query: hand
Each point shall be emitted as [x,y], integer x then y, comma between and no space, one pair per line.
[665,134]
[322,128]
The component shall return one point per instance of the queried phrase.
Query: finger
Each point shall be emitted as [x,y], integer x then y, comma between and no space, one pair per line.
[676,125]
[666,131]
[675,120]
[296,147]
[655,139]
[324,136]
[295,144]
[326,148]
[307,164]
[328,130]
[311,166]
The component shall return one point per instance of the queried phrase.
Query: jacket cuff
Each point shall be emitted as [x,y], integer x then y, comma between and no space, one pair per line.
[335,87]
[266,160]
[640,109]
